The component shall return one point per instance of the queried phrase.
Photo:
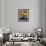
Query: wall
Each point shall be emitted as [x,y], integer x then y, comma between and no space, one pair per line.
[11,15]
[45,12]
[1,15]
[44,18]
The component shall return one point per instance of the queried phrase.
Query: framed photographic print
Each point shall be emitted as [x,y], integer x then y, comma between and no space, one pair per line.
[23,15]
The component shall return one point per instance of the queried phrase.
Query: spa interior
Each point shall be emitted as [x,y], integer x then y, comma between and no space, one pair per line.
[22,22]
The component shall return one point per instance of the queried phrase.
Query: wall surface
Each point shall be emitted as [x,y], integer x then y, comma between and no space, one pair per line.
[1,15]
[11,15]
[44,18]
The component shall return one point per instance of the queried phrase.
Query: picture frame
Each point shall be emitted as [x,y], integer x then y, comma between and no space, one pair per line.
[23,15]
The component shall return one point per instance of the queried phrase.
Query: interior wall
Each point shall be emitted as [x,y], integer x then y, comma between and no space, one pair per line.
[44,18]
[11,15]
[1,15]
[45,12]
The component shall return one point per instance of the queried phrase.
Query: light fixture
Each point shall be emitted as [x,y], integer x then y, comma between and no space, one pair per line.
[39,29]
[8,29]
[1,35]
